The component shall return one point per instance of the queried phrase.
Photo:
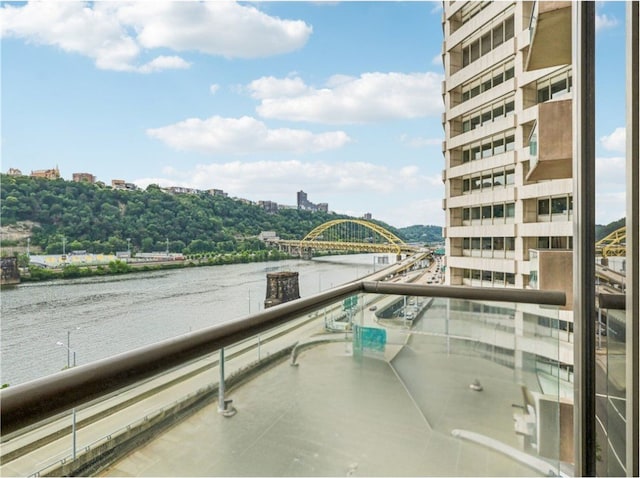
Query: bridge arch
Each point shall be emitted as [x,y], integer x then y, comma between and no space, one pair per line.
[343,232]
[614,244]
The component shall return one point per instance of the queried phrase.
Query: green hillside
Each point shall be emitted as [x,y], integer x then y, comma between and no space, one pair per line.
[99,219]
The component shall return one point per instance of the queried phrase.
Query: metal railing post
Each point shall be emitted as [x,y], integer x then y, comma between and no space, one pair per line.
[221,404]
[73,433]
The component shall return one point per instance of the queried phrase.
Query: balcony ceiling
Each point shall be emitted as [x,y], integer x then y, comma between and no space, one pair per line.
[551,38]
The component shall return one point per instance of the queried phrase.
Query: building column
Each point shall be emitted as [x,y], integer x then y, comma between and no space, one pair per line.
[633,241]
[584,237]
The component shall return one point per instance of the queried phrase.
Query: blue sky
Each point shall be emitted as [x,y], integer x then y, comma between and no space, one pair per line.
[261,99]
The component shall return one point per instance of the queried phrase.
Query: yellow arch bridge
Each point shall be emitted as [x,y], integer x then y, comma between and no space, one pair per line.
[614,244]
[353,235]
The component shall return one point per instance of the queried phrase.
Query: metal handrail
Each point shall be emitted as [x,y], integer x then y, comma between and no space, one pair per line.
[28,403]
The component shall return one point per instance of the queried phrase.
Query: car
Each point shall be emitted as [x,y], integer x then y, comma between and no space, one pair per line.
[373,308]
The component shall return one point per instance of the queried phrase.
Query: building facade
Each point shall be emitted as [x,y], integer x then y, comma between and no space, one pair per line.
[84,177]
[501,122]
[508,175]
[46,173]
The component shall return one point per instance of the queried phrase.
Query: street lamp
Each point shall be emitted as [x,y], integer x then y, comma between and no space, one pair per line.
[68,352]
[73,410]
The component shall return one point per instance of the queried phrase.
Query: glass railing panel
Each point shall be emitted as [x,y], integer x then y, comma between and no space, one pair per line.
[383,385]
[479,375]
[611,391]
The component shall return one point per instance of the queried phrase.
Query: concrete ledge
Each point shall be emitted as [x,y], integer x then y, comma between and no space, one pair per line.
[92,459]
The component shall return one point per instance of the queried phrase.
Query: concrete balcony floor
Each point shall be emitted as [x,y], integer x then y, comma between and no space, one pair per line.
[338,415]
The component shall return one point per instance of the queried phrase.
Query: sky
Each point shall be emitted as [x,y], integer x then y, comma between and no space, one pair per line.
[260,99]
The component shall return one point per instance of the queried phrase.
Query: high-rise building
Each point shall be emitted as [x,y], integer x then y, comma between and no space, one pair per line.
[508,148]
[508,171]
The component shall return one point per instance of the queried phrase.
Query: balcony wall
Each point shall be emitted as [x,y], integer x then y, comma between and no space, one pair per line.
[553,142]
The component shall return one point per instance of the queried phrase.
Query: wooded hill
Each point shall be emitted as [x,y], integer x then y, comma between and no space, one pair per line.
[100,219]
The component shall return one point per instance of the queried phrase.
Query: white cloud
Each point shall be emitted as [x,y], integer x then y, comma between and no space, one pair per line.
[616,141]
[115,34]
[399,197]
[243,135]
[437,60]
[164,63]
[216,28]
[348,100]
[604,21]
[610,189]
[214,89]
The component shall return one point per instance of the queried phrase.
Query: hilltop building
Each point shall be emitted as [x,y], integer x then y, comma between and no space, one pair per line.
[270,206]
[84,177]
[306,205]
[14,172]
[46,173]
[123,185]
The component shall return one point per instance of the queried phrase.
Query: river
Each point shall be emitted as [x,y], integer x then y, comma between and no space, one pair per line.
[104,316]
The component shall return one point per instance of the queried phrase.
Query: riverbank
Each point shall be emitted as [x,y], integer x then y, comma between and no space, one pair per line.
[117,267]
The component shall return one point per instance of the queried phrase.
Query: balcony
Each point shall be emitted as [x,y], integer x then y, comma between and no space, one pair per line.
[370,378]
[550,30]
[551,142]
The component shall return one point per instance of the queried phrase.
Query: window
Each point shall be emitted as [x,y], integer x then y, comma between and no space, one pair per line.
[498,210]
[559,205]
[486,276]
[508,73]
[498,178]
[491,79]
[558,242]
[499,109]
[500,33]
[465,243]
[510,209]
[486,150]
[543,243]
[475,274]
[510,142]
[475,183]
[475,213]
[486,181]
[475,50]
[486,243]
[485,43]
[465,214]
[554,86]
[486,212]
[475,243]
[510,243]
[510,278]
[498,276]
[509,108]
[498,146]
[510,177]
[498,243]
[508,28]
[543,206]
[465,186]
